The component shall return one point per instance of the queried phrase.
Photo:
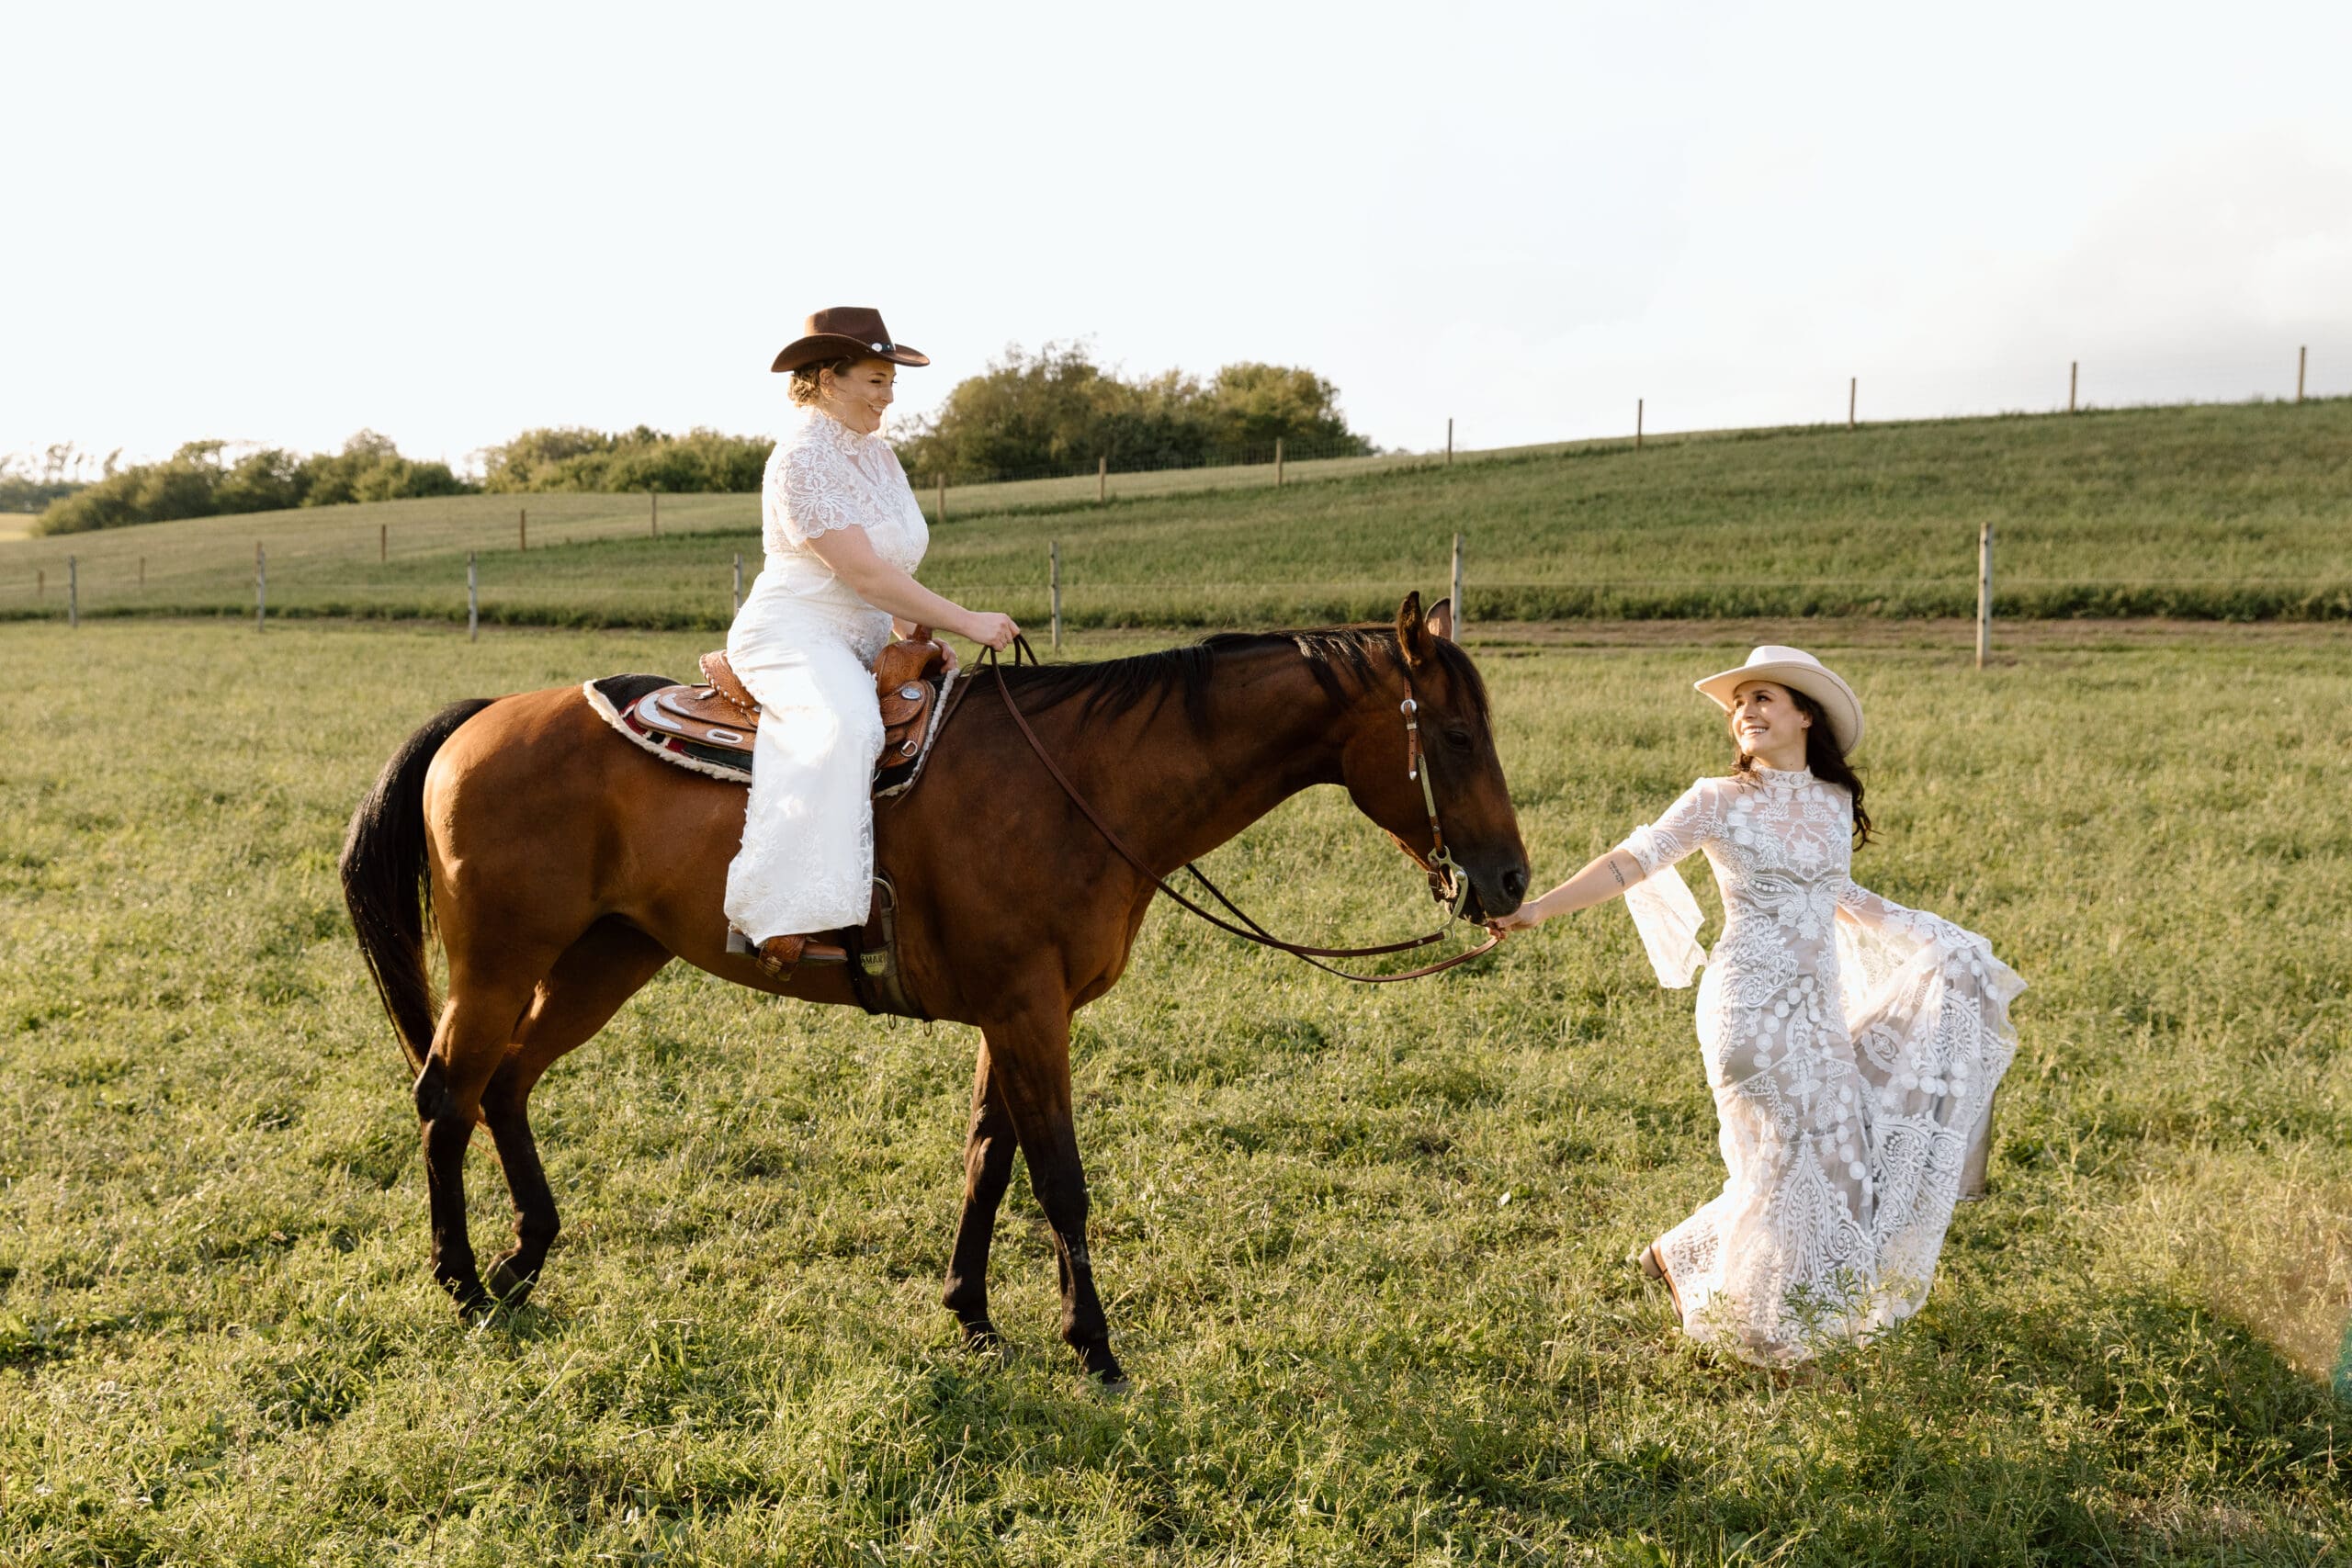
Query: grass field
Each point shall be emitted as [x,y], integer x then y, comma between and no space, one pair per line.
[2240,513]
[1361,1251]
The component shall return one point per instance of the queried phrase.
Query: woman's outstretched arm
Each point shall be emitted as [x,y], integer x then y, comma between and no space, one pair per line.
[851,556]
[1686,825]
[1603,878]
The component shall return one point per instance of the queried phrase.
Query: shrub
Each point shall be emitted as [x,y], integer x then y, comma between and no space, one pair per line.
[572,459]
[369,468]
[194,482]
[1058,411]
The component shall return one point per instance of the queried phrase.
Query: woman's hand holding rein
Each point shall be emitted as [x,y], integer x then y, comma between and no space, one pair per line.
[851,556]
[1603,878]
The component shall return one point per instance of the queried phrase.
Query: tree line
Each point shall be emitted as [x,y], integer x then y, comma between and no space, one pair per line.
[1058,411]
[1052,411]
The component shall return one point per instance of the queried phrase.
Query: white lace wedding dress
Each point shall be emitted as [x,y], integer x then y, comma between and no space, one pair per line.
[805,644]
[1853,1046]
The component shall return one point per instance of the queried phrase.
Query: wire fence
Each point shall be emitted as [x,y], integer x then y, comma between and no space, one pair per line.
[323,563]
[702,589]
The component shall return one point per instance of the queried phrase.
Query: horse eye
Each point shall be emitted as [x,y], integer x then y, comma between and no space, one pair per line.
[1458,739]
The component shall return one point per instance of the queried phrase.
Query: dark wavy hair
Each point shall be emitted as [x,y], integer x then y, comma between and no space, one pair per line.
[1827,762]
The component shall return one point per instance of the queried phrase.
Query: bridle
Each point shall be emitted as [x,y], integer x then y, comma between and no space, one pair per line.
[1449,885]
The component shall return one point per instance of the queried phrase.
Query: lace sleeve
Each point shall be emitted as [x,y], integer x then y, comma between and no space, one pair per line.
[1664,912]
[1686,825]
[819,493]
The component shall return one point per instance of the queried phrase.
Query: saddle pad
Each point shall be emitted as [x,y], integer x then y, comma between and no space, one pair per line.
[686,725]
[619,700]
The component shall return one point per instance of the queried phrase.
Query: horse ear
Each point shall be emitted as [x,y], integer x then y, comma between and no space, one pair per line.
[1441,619]
[1413,632]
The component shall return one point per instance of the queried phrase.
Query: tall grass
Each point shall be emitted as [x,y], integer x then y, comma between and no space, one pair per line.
[2236,513]
[1362,1252]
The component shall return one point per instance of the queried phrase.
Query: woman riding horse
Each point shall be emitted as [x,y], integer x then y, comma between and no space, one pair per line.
[565,868]
[842,535]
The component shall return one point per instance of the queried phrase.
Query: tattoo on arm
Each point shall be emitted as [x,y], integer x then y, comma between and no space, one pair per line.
[1612,864]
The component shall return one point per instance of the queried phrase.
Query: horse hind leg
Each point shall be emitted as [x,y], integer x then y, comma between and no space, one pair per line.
[579,996]
[468,1047]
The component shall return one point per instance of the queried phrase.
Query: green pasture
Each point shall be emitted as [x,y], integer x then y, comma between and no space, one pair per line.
[1361,1249]
[2239,512]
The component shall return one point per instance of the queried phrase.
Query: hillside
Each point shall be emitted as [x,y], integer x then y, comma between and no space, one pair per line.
[2234,512]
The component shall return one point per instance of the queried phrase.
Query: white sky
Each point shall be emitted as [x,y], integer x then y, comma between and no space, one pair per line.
[451,223]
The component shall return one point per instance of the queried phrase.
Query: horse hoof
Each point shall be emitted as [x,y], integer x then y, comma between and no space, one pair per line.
[1103,1368]
[511,1287]
[981,1339]
[475,1305]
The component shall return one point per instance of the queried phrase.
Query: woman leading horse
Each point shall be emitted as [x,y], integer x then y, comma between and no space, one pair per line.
[567,867]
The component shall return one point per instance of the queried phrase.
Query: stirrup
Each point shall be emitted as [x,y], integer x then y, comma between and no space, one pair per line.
[780,955]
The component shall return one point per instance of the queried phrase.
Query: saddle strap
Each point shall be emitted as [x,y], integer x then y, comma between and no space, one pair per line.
[1250,930]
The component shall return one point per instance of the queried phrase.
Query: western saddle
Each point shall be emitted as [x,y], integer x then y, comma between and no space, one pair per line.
[715,725]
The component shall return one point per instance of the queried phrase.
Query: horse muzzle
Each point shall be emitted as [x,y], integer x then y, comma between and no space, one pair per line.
[1487,894]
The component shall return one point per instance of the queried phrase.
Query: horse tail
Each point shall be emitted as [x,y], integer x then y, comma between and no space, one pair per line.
[384,885]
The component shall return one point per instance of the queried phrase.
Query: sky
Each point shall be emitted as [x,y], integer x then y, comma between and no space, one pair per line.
[281,224]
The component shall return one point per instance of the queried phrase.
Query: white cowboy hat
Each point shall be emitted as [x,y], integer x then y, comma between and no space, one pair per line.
[1800,671]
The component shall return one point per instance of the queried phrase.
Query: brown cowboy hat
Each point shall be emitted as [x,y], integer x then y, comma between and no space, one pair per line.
[843,331]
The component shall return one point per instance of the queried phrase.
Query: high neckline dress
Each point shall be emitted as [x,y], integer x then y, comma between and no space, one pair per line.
[805,643]
[1853,1046]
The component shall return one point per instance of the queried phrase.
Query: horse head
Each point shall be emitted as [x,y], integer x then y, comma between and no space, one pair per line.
[1457,756]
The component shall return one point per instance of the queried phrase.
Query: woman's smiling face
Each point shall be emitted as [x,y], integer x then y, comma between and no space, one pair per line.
[860,395]
[1768,726]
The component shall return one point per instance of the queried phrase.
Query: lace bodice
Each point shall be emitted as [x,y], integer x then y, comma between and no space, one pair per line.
[1781,845]
[1853,1046]
[823,477]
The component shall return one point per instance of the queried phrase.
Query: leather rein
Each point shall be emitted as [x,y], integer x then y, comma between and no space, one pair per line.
[1448,883]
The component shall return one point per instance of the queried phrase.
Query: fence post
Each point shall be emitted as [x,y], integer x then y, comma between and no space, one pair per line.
[260,587]
[142,571]
[383,542]
[1460,619]
[735,606]
[473,604]
[1983,593]
[1637,424]
[523,529]
[1449,440]
[942,500]
[1103,479]
[73,592]
[2303,361]
[1278,462]
[1853,391]
[40,583]
[1054,587]
[2074,374]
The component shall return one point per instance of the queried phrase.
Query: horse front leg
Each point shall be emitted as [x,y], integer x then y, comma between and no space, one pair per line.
[1029,1060]
[989,1148]
[596,973]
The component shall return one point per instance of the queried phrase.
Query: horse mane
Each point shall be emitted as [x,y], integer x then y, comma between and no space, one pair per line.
[1334,653]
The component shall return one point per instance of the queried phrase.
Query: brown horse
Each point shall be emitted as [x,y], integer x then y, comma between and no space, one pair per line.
[566,867]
